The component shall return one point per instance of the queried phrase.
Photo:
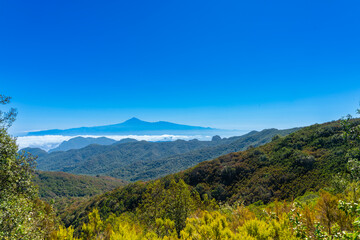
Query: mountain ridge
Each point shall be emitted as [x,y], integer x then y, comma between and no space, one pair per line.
[143,160]
[81,142]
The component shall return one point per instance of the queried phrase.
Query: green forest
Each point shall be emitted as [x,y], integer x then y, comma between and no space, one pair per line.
[142,160]
[302,185]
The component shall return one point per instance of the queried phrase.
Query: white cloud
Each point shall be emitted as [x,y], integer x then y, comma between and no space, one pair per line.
[46,142]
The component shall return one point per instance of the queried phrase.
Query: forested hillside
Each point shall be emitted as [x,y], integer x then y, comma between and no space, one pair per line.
[53,185]
[143,160]
[284,169]
[145,170]
[98,159]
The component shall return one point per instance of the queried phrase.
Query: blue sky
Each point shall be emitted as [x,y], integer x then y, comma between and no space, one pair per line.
[227,64]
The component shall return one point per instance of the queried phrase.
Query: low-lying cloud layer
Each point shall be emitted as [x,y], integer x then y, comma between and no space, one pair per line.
[48,142]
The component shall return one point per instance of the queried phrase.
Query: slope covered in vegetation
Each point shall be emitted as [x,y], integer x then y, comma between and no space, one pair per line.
[59,184]
[146,170]
[323,215]
[284,169]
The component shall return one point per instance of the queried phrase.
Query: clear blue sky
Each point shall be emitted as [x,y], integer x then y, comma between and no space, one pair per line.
[229,64]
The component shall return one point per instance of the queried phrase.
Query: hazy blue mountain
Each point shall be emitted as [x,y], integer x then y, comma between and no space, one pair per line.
[80,142]
[131,126]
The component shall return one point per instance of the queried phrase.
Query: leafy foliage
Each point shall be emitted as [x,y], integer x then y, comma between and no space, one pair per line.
[324,217]
[7,118]
[22,214]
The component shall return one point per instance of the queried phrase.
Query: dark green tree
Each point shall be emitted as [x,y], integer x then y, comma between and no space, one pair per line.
[163,202]
[352,136]
[179,204]
[152,206]
[7,118]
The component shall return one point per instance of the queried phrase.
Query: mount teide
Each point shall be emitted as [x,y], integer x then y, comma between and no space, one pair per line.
[131,126]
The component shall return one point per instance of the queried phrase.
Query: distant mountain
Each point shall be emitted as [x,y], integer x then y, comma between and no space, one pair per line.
[131,126]
[148,160]
[81,142]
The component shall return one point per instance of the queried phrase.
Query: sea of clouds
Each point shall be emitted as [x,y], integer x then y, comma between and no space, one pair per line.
[48,142]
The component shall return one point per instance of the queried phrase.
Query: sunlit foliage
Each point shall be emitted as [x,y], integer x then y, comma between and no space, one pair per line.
[326,216]
[22,214]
